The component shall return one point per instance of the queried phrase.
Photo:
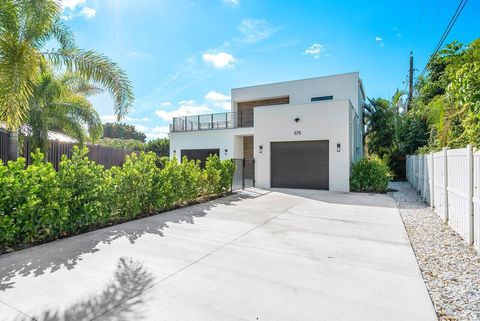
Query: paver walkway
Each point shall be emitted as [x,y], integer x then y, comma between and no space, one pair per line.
[260,255]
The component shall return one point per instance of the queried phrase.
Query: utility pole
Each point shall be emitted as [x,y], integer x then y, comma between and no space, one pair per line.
[410,82]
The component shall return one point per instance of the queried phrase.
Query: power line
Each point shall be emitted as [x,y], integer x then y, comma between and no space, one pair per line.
[418,24]
[449,27]
[419,57]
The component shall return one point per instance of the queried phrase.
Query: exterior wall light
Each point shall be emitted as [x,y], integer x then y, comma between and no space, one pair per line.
[338,147]
[226,152]
[260,149]
[297,120]
[174,151]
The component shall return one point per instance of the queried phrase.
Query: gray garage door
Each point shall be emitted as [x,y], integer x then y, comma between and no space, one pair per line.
[300,164]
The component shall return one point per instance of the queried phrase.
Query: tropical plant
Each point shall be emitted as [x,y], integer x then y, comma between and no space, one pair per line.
[380,121]
[392,133]
[122,131]
[25,28]
[60,103]
[449,96]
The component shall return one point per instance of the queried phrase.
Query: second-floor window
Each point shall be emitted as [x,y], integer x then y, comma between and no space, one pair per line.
[322,98]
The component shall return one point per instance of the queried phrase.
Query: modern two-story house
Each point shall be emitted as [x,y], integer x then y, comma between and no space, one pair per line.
[300,134]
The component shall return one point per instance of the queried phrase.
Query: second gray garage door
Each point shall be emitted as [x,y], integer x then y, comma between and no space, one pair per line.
[302,164]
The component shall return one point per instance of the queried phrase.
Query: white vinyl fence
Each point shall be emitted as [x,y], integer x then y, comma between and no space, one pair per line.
[449,181]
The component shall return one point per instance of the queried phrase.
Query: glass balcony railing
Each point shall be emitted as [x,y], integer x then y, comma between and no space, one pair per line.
[212,121]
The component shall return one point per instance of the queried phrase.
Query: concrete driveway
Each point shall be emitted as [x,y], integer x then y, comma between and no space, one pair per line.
[260,255]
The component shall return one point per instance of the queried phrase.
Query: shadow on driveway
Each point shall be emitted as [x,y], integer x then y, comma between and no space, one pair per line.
[69,251]
[124,292]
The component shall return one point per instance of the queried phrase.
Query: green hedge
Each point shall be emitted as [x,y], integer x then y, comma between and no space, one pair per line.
[39,204]
[369,175]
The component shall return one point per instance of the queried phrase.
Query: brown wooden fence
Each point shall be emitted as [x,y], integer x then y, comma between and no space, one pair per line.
[107,156]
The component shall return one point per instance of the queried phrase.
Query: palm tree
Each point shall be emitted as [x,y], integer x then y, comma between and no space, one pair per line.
[380,117]
[25,28]
[60,103]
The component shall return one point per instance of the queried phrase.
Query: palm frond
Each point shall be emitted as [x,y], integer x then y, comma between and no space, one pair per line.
[8,17]
[80,85]
[18,73]
[77,109]
[64,36]
[37,19]
[99,69]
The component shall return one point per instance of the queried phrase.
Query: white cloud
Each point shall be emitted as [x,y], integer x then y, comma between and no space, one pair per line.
[219,99]
[316,51]
[88,12]
[216,96]
[379,40]
[255,30]
[166,104]
[138,55]
[219,60]
[66,17]
[76,8]
[140,128]
[157,132]
[71,4]
[113,119]
[231,2]
[186,108]
[108,118]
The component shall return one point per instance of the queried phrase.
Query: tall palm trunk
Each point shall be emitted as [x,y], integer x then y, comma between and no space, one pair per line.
[39,129]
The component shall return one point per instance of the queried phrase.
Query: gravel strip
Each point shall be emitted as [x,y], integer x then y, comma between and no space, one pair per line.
[450,268]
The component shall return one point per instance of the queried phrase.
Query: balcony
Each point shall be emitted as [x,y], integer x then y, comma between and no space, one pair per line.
[212,121]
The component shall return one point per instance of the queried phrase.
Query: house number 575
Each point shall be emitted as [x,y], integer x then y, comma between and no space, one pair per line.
[297,132]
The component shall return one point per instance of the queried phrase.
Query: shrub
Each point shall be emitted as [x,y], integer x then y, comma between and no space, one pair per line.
[369,175]
[219,174]
[33,206]
[39,204]
[132,185]
[86,184]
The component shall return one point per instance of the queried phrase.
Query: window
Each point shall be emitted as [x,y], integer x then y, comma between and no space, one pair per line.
[322,98]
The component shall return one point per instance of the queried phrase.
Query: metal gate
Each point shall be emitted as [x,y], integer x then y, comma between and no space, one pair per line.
[244,176]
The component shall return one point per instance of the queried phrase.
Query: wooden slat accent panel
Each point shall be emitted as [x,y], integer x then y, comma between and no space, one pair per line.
[247,147]
[248,105]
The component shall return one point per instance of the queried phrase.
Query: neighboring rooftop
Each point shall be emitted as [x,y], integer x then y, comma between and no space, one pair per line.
[52,135]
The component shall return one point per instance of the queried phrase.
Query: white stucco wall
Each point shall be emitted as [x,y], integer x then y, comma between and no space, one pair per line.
[328,120]
[342,86]
[229,139]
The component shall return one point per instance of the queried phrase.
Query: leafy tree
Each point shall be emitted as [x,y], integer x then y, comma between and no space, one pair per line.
[131,144]
[25,28]
[122,131]
[160,146]
[449,96]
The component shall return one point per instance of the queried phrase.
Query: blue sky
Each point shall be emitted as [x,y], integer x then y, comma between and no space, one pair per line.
[183,57]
